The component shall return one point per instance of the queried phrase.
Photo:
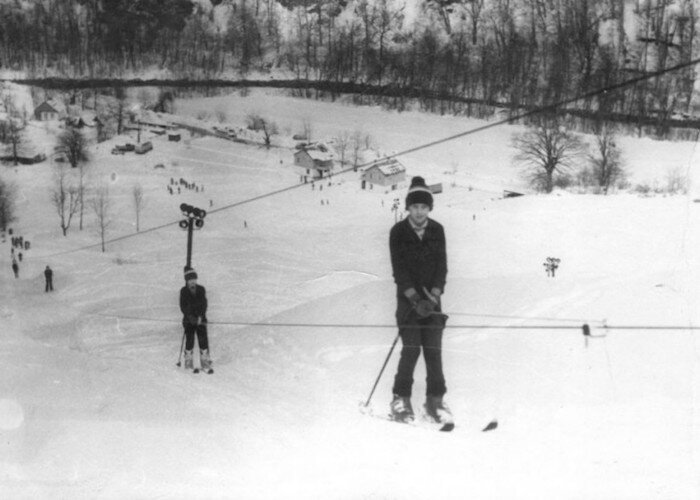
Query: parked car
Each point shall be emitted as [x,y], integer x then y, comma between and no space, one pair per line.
[120,149]
[143,148]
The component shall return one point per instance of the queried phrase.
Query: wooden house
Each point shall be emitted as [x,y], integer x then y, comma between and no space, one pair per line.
[46,112]
[315,158]
[386,172]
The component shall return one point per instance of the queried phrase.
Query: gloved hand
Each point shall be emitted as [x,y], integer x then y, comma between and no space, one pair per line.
[413,297]
[433,295]
[192,319]
[424,307]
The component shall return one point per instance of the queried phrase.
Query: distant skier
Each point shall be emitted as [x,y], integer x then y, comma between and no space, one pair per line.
[48,275]
[15,268]
[193,304]
[419,263]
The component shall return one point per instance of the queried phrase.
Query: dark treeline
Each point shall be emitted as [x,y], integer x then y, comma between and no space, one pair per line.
[449,56]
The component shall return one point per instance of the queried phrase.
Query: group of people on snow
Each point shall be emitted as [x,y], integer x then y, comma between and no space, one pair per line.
[19,243]
[182,183]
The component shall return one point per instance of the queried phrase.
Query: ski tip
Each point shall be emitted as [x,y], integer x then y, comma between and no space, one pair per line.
[490,426]
[447,427]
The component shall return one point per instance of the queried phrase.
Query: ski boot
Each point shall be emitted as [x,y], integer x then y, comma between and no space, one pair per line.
[205,361]
[189,364]
[401,409]
[437,411]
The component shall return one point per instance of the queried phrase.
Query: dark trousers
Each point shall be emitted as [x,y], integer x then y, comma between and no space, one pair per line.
[417,334]
[201,331]
[49,284]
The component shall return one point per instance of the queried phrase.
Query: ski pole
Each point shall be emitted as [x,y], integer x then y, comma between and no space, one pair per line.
[382,370]
[182,345]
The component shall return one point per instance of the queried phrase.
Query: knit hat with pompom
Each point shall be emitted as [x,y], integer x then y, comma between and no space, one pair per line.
[419,193]
[190,274]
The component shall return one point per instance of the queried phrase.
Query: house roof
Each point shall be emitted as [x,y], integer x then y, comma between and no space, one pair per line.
[45,107]
[317,152]
[319,155]
[388,167]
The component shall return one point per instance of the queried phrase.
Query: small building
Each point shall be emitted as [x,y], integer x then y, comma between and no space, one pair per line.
[174,135]
[46,112]
[386,172]
[84,119]
[315,158]
[435,188]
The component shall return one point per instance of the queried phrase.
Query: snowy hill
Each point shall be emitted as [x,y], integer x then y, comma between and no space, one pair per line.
[302,303]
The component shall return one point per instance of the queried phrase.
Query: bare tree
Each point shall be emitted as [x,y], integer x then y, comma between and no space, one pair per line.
[606,160]
[307,128]
[101,205]
[260,124]
[474,8]
[546,148]
[342,142]
[73,144]
[356,147]
[137,193]
[64,198]
[677,181]
[119,108]
[269,129]
[12,135]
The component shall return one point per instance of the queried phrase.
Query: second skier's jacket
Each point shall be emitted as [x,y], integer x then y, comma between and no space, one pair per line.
[193,305]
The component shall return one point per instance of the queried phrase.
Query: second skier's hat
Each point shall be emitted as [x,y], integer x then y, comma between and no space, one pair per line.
[190,274]
[419,193]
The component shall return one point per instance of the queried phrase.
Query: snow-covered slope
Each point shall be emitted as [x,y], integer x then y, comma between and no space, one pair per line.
[301,304]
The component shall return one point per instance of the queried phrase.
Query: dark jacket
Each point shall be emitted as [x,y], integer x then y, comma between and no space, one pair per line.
[418,263]
[193,306]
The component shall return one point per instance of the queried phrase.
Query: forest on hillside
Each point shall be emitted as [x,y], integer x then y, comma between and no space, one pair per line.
[518,54]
